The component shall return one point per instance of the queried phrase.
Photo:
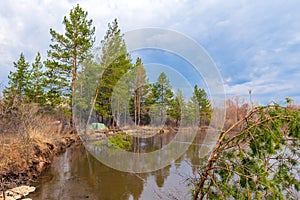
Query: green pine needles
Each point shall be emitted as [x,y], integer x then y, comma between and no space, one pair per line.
[259,162]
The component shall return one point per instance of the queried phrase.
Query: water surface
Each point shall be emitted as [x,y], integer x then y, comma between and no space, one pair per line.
[76,174]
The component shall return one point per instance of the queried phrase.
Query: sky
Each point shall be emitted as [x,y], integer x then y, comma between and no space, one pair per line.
[254,44]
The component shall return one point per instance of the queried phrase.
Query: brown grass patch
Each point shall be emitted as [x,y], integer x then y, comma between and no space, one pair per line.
[28,141]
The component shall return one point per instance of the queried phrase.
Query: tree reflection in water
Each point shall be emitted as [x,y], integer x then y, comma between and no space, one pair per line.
[77,175]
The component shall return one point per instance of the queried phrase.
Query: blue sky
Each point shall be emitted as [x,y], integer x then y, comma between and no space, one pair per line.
[180,72]
[255,44]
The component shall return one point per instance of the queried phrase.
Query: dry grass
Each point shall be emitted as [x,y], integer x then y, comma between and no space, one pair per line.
[27,139]
[46,130]
[18,152]
[12,157]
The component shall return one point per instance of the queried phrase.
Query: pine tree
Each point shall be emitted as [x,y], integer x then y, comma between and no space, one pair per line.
[140,91]
[18,83]
[163,95]
[55,84]
[260,161]
[203,103]
[121,99]
[66,53]
[35,90]
[191,116]
[116,61]
[178,107]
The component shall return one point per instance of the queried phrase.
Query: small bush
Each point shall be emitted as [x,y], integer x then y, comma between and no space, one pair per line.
[120,141]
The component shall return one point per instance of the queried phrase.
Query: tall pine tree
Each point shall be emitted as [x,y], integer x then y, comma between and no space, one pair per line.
[67,52]
[139,90]
[115,59]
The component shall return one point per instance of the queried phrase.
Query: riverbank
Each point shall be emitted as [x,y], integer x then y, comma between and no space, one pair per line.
[23,160]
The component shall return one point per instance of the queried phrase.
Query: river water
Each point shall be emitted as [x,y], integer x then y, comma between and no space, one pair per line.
[76,174]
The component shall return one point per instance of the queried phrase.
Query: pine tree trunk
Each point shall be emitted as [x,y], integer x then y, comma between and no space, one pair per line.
[74,74]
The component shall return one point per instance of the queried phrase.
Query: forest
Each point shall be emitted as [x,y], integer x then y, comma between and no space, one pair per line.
[75,75]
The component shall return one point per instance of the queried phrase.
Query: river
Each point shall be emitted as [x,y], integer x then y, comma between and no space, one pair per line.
[76,174]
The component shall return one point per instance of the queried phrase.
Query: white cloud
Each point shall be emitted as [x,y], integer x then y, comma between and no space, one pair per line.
[267,85]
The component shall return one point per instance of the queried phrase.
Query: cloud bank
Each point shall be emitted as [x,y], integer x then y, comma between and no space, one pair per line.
[255,44]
